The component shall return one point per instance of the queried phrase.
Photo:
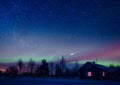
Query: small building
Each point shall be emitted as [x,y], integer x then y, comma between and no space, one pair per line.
[113,73]
[91,70]
[118,73]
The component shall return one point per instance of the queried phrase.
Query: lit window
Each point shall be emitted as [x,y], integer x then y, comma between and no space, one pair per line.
[103,74]
[89,74]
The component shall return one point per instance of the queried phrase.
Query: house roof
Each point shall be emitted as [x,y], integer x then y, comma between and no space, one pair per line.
[113,69]
[96,65]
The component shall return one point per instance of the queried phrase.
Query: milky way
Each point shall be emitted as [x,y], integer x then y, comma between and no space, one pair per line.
[79,30]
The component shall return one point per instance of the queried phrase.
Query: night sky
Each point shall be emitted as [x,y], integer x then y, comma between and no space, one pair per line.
[79,30]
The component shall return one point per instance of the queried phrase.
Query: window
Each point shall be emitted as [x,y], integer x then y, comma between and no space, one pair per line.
[103,74]
[89,74]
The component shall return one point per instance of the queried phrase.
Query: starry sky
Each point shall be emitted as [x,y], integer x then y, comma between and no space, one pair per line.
[79,30]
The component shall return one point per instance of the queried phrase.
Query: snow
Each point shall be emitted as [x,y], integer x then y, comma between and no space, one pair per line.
[49,81]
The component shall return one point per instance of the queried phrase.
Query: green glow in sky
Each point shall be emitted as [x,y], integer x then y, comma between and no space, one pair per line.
[52,59]
[26,59]
[101,62]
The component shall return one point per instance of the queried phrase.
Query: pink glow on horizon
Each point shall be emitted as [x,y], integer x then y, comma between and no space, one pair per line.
[106,53]
[3,70]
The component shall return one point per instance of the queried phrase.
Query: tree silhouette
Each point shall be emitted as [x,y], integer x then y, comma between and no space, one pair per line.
[67,73]
[112,66]
[38,71]
[76,66]
[51,69]
[31,64]
[118,66]
[75,70]
[20,65]
[58,71]
[63,64]
[12,71]
[43,69]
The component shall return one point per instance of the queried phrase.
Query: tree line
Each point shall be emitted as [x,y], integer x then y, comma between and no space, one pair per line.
[44,69]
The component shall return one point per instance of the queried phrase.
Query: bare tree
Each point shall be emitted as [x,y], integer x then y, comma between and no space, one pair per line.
[11,71]
[51,69]
[20,65]
[31,64]
[63,64]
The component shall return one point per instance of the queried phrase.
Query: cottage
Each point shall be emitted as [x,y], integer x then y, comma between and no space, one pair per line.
[91,70]
[118,73]
[113,73]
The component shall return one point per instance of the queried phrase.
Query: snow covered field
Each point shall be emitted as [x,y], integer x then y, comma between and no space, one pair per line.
[38,81]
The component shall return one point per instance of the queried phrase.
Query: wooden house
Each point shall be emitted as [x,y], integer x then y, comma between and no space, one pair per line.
[91,70]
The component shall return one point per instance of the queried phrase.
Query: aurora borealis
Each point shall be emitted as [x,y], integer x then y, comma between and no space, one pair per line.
[79,30]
